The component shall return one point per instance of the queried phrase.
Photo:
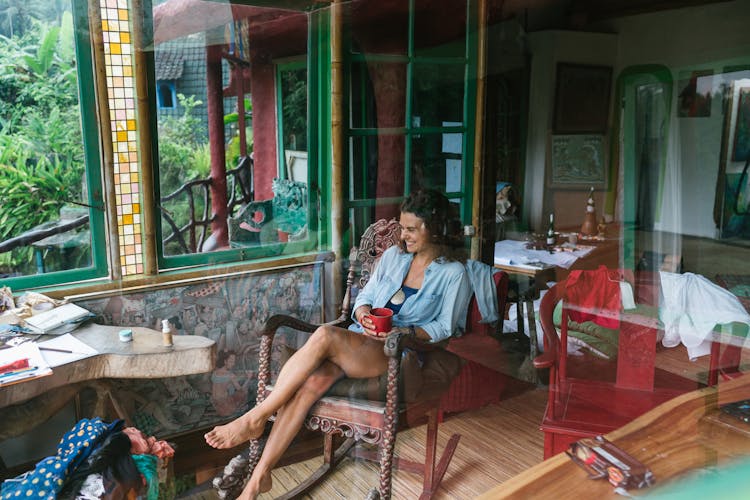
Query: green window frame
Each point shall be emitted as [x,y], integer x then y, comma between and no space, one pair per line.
[93,167]
[318,75]
[361,205]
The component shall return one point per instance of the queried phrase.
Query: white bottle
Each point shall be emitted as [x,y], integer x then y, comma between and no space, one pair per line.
[166,333]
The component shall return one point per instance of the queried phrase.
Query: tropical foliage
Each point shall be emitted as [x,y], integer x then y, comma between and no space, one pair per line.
[41,152]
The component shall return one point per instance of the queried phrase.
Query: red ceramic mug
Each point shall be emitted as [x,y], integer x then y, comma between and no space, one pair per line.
[382,319]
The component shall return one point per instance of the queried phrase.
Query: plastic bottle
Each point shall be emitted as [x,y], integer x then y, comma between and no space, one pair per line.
[166,333]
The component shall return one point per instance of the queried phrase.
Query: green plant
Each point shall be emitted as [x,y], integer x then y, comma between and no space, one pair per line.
[33,195]
[179,137]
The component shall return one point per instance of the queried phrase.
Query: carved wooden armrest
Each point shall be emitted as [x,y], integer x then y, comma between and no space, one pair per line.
[396,342]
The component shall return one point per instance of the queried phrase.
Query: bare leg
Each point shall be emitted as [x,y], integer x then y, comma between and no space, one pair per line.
[358,356]
[288,422]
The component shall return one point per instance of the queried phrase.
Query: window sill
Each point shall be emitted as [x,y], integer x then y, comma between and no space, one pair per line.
[174,277]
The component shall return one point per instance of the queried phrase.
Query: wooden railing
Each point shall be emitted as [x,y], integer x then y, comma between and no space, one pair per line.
[192,235]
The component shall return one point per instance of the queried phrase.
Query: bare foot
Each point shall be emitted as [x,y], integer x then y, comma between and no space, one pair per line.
[236,432]
[251,491]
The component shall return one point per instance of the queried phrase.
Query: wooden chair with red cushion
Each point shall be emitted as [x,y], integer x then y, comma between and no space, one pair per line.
[589,396]
[369,411]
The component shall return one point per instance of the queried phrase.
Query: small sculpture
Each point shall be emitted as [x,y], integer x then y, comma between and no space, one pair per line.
[504,206]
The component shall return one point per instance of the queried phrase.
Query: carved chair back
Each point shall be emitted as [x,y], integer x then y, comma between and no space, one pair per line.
[377,238]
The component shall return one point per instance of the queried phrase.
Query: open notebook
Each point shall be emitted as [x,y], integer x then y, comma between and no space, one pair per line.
[59,320]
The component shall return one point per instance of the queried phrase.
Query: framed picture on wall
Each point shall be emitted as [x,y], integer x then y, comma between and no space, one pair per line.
[694,99]
[577,161]
[581,99]
[741,147]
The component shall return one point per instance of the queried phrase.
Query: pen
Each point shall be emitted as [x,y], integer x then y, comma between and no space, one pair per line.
[54,349]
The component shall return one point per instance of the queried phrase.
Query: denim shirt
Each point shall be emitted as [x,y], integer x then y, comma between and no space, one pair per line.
[439,307]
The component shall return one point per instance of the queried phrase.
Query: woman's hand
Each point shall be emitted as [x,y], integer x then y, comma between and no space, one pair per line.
[360,314]
[384,335]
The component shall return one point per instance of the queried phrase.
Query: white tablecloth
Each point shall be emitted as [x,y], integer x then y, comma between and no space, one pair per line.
[511,252]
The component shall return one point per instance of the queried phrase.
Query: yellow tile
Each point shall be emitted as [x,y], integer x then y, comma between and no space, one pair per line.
[122,14]
[131,124]
[105,25]
[136,208]
[114,48]
[125,37]
[122,136]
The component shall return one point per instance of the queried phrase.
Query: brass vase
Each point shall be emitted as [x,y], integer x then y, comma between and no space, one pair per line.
[589,226]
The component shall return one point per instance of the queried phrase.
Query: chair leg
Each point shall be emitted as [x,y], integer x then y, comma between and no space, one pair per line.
[229,484]
[433,475]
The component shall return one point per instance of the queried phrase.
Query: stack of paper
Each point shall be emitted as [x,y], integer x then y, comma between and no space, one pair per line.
[65,349]
[22,362]
[58,320]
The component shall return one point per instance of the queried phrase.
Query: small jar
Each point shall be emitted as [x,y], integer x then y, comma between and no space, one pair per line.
[125,335]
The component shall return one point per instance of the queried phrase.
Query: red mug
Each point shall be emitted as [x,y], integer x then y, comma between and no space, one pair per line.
[382,319]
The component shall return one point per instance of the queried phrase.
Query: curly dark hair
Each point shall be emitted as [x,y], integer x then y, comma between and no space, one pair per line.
[441,220]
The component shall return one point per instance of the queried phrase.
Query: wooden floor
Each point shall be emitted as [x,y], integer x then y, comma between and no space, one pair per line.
[497,442]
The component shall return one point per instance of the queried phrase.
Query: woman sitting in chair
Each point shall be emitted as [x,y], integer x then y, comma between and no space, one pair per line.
[422,281]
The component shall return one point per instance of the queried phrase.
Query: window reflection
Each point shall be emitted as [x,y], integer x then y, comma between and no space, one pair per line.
[233,166]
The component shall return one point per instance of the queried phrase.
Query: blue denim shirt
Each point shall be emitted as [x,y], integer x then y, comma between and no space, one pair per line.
[439,307]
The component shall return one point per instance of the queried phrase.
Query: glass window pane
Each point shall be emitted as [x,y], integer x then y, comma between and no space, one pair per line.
[438,94]
[233,104]
[378,95]
[436,162]
[376,166]
[45,220]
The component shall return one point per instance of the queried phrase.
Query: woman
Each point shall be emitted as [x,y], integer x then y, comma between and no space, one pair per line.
[429,293]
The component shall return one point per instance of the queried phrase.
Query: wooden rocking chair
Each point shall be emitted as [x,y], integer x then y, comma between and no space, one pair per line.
[369,420]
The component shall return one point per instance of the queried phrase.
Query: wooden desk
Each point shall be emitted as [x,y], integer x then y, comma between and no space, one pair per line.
[684,434]
[26,404]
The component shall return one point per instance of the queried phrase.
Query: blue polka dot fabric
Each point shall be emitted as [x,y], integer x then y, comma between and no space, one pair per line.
[49,475]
